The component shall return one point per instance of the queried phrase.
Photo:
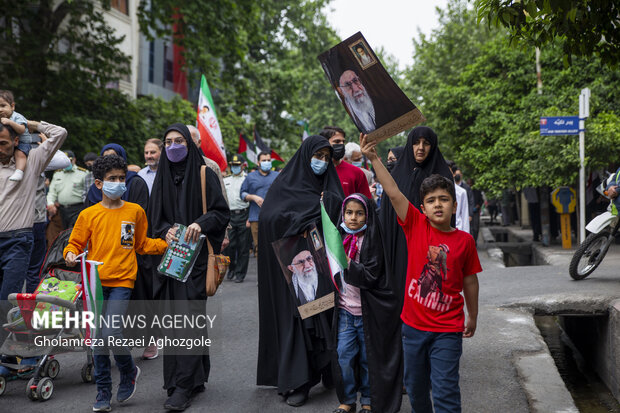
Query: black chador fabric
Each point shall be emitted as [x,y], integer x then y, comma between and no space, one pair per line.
[176,198]
[408,175]
[381,318]
[292,351]
[398,152]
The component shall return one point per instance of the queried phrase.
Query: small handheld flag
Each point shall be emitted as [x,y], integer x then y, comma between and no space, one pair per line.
[336,256]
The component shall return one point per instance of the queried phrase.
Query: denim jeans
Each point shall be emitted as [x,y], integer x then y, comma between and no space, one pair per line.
[115,302]
[350,343]
[39,250]
[14,259]
[432,359]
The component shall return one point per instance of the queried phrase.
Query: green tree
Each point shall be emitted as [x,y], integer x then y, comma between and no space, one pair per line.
[588,27]
[260,58]
[485,107]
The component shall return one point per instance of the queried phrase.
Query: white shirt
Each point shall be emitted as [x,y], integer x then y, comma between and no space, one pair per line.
[462,209]
[233,191]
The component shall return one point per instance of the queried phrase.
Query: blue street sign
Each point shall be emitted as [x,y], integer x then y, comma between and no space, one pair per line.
[559,125]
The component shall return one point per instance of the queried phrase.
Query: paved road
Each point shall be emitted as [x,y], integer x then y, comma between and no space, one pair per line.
[489,379]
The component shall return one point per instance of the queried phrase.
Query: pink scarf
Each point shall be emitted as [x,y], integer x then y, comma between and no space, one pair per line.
[350,246]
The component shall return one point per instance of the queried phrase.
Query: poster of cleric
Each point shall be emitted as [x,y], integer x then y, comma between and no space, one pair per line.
[304,264]
[375,103]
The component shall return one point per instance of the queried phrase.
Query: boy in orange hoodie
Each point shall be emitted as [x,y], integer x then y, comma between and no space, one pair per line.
[116,231]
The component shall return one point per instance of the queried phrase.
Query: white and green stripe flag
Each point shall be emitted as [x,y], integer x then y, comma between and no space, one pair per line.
[92,293]
[336,256]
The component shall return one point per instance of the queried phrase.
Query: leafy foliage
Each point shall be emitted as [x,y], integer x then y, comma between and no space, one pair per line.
[260,61]
[588,27]
[480,95]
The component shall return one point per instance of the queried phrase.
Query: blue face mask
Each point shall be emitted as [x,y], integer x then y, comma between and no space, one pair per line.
[358,164]
[352,231]
[318,166]
[113,190]
[69,168]
[236,170]
[265,166]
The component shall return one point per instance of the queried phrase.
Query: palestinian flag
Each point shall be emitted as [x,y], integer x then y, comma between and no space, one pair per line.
[248,150]
[92,293]
[336,256]
[211,141]
[276,160]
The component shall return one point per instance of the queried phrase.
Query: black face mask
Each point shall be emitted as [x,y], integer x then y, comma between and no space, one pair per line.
[457,178]
[338,151]
[390,165]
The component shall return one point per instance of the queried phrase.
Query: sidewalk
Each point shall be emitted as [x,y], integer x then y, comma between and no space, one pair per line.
[507,366]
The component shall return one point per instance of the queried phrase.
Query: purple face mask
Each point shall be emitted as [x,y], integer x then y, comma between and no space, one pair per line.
[176,152]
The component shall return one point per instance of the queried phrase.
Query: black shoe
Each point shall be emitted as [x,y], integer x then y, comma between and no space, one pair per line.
[230,275]
[297,398]
[179,401]
[239,279]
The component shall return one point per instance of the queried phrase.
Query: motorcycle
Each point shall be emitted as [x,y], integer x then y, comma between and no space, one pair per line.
[603,230]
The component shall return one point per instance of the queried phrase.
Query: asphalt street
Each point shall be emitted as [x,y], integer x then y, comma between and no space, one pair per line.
[489,379]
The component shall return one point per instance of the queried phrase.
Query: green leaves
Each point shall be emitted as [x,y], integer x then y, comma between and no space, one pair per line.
[480,96]
[588,27]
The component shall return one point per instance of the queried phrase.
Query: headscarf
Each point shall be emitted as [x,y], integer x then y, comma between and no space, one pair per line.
[408,174]
[120,151]
[176,195]
[350,240]
[292,203]
[398,152]
[94,193]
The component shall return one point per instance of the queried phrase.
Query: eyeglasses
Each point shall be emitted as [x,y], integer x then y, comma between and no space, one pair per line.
[355,81]
[322,156]
[178,141]
[308,260]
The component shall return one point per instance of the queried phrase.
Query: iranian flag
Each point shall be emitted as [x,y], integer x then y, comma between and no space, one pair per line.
[336,257]
[211,141]
[305,133]
[92,293]
[248,150]
[276,160]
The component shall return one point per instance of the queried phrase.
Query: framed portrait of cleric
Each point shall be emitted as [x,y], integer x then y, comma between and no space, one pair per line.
[303,262]
[373,100]
[364,57]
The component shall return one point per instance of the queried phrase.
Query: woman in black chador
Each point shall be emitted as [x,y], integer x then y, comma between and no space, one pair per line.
[420,158]
[176,198]
[293,353]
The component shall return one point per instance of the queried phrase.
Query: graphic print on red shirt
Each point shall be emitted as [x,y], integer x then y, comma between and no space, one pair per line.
[427,288]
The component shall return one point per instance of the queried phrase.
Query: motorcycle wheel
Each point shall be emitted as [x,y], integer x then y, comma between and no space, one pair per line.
[589,255]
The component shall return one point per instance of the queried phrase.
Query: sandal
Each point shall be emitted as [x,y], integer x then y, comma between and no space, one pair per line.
[341,410]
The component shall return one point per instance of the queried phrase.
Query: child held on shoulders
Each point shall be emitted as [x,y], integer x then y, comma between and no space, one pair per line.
[442,263]
[9,117]
[116,231]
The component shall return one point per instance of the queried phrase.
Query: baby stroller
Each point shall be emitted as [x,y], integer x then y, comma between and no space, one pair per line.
[60,289]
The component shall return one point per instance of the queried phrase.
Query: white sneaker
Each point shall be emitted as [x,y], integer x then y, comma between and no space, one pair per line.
[18,175]
[150,353]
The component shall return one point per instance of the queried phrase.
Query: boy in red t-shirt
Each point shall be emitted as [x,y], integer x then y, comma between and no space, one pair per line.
[442,262]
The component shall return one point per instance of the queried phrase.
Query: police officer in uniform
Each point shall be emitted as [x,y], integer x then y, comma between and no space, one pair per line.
[67,192]
[238,233]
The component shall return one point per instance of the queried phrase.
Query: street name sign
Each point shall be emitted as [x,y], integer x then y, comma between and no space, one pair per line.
[559,125]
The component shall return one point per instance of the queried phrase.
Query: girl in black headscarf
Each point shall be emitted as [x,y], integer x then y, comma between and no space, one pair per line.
[176,198]
[379,312]
[421,158]
[293,353]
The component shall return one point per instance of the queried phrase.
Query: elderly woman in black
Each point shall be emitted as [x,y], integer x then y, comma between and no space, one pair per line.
[176,198]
